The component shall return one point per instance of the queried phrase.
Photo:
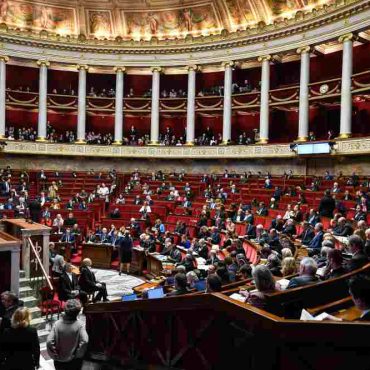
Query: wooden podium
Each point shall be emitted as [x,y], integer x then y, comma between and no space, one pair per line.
[9,262]
[40,237]
[100,254]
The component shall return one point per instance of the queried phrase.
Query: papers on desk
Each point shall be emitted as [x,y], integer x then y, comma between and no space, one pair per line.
[201,264]
[138,248]
[161,258]
[283,283]
[306,316]
[238,297]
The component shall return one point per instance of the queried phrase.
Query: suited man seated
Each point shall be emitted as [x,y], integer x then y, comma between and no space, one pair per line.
[213,259]
[116,213]
[307,233]
[356,248]
[307,274]
[187,203]
[137,200]
[68,237]
[68,286]
[250,231]
[315,244]
[89,284]
[344,228]
[104,236]
[359,288]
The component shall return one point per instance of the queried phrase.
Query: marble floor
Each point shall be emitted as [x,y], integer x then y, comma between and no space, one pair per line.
[116,286]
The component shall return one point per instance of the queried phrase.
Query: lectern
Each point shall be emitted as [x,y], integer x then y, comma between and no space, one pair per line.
[40,237]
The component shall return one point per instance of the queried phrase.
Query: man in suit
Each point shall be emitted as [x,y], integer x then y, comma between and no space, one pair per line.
[213,259]
[250,231]
[134,227]
[344,228]
[68,286]
[67,236]
[327,205]
[289,228]
[70,220]
[89,284]
[307,273]
[307,234]
[359,288]
[6,187]
[315,243]
[9,304]
[359,258]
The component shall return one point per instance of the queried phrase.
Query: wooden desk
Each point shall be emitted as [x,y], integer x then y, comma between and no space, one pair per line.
[137,262]
[154,265]
[148,285]
[348,314]
[100,254]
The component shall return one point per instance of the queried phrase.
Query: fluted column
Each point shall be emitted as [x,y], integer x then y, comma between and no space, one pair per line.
[190,112]
[228,82]
[304,105]
[81,118]
[154,126]
[346,95]
[118,118]
[264,100]
[3,61]
[43,96]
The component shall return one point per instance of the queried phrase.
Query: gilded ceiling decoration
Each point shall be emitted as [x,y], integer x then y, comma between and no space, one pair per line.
[148,19]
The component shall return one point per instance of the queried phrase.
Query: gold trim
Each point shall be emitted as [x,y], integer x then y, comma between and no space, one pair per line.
[4,58]
[82,66]
[156,69]
[194,68]
[344,136]
[229,63]
[263,58]
[263,141]
[154,143]
[117,142]
[2,137]
[45,63]
[121,69]
[41,139]
[189,143]
[347,37]
[301,139]
[80,141]
[304,49]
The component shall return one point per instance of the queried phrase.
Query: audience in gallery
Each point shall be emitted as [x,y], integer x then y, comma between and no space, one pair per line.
[220,211]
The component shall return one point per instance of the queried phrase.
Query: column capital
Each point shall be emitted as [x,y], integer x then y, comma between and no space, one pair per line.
[4,58]
[156,69]
[229,63]
[82,67]
[304,50]
[41,63]
[119,69]
[347,37]
[263,58]
[193,67]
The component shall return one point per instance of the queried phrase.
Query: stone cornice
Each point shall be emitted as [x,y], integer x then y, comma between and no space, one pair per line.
[302,22]
[360,146]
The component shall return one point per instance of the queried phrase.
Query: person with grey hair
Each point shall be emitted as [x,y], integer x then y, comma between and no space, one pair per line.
[265,283]
[321,260]
[344,228]
[307,273]
[359,258]
[9,303]
[191,278]
[68,339]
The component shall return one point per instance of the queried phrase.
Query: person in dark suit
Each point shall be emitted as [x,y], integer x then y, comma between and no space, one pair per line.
[307,233]
[88,283]
[327,205]
[9,304]
[359,288]
[289,228]
[67,236]
[344,228]
[315,243]
[68,286]
[180,285]
[35,210]
[19,345]
[213,259]
[125,246]
[307,274]
[359,258]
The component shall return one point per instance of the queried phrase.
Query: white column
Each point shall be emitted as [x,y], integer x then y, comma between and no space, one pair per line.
[304,106]
[81,118]
[264,100]
[154,126]
[228,82]
[43,98]
[3,60]
[346,95]
[14,270]
[190,112]
[118,118]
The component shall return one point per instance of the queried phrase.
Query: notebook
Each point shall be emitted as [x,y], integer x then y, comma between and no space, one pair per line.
[129,297]
[156,293]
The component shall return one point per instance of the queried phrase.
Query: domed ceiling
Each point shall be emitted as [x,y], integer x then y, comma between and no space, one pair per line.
[144,19]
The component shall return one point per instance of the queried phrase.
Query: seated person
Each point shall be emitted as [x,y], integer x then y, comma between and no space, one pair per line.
[181,285]
[68,286]
[91,237]
[334,267]
[344,228]
[115,213]
[58,222]
[70,220]
[307,233]
[359,288]
[89,284]
[213,259]
[104,236]
[67,236]
[315,243]
[356,248]
[213,283]
[265,283]
[307,273]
